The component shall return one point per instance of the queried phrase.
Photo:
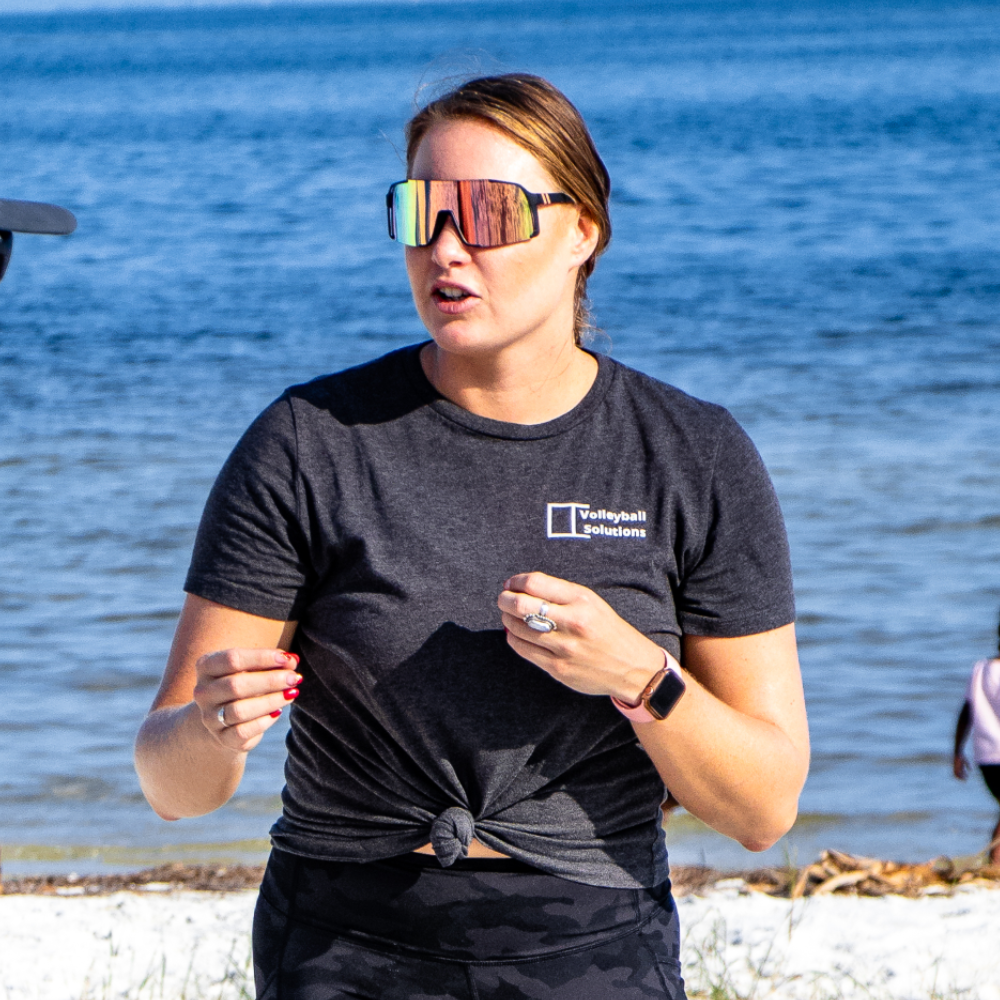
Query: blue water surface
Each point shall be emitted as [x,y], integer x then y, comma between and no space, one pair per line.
[806,222]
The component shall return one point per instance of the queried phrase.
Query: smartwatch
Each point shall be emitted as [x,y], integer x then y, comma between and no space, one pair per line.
[658,697]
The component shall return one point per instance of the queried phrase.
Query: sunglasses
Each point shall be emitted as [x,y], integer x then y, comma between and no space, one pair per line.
[485,213]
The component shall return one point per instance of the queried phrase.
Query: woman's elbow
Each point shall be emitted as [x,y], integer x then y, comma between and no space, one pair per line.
[167,806]
[762,840]
[779,809]
[769,828]
[163,814]
[147,786]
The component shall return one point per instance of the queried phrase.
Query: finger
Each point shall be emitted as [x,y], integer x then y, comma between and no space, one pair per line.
[246,735]
[541,585]
[237,713]
[233,687]
[533,651]
[548,649]
[519,605]
[552,641]
[235,661]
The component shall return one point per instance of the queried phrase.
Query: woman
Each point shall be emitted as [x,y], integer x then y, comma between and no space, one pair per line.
[980,715]
[493,553]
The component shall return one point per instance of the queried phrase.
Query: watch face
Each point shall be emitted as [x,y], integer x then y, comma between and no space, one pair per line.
[668,692]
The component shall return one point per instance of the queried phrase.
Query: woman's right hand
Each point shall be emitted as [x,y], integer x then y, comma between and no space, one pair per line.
[189,762]
[241,692]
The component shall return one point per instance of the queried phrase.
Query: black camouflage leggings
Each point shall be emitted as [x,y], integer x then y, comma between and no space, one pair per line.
[407,929]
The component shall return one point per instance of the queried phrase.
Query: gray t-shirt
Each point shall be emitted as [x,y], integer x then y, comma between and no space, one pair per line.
[385,519]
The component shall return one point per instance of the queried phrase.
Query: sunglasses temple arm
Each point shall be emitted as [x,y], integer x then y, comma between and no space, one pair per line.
[390,214]
[548,198]
[555,198]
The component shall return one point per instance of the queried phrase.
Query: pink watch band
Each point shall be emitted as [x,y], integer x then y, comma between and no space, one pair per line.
[634,713]
[639,713]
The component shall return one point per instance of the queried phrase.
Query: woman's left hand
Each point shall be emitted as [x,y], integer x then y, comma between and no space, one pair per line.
[734,752]
[592,649]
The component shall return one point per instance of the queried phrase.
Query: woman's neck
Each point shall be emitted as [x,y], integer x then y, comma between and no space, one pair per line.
[516,387]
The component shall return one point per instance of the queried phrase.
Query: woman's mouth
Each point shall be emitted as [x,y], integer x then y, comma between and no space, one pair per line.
[450,294]
[453,299]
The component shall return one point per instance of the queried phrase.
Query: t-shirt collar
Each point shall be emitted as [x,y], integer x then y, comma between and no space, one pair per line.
[410,358]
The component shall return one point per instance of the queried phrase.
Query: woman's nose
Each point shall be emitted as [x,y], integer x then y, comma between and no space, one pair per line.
[448,247]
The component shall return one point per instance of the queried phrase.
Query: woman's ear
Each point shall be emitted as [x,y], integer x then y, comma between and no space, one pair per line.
[586,234]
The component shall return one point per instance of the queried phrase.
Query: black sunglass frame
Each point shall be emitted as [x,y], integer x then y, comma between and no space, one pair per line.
[534,200]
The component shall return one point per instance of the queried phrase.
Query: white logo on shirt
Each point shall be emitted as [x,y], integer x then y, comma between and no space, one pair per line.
[577,520]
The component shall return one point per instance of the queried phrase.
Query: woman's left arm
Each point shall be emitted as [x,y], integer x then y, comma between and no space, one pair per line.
[735,749]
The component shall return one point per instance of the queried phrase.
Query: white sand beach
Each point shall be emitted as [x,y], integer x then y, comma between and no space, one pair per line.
[164,945]
[937,947]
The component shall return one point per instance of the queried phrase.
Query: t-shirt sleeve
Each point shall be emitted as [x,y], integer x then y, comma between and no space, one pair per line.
[736,577]
[251,550]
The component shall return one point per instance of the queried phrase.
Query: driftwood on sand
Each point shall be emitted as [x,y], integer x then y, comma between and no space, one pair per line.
[835,872]
[210,878]
[845,874]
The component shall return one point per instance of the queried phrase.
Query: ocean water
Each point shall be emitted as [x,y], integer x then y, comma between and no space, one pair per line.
[806,225]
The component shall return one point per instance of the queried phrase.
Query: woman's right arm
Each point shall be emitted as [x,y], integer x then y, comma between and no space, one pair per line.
[188,762]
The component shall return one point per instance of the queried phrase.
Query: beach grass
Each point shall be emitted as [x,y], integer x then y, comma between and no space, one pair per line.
[708,970]
[711,973]
[708,984]
[236,982]
[746,936]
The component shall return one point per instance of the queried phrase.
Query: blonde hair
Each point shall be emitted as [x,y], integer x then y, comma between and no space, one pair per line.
[542,120]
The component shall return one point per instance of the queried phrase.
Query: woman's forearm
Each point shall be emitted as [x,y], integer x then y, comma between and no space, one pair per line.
[735,749]
[182,769]
[740,775]
[190,760]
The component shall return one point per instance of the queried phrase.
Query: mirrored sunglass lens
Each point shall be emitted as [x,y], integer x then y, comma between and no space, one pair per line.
[488,213]
[417,206]
[494,214]
[406,217]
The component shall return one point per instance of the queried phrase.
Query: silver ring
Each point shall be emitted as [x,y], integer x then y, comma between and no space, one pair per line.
[540,622]
[221,716]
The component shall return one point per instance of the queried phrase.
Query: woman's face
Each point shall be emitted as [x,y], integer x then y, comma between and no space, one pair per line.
[517,294]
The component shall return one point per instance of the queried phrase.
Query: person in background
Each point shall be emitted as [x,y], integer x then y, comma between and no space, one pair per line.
[980,715]
[30,217]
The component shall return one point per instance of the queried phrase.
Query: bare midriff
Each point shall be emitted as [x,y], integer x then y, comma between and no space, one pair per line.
[476,850]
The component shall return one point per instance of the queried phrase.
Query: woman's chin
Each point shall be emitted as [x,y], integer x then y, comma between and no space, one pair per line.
[456,337]
[475,338]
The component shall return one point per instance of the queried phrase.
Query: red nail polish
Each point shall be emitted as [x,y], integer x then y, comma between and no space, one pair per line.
[294,657]
[275,714]
[291,694]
